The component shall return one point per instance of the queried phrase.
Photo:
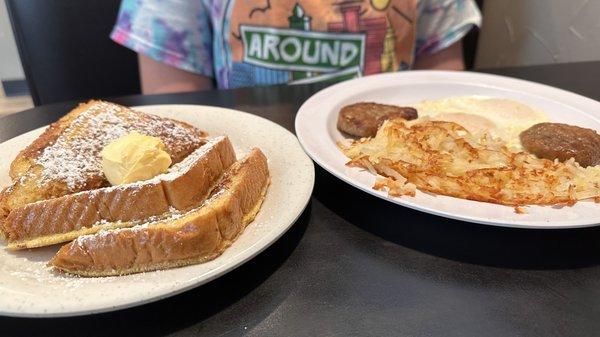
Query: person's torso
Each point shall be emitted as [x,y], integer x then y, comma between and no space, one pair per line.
[306,41]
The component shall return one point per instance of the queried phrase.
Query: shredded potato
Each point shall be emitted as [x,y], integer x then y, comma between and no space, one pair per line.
[444,158]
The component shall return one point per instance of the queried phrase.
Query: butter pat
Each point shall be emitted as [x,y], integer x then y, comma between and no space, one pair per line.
[134,157]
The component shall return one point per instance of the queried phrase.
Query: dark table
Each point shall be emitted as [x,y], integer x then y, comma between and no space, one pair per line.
[355,265]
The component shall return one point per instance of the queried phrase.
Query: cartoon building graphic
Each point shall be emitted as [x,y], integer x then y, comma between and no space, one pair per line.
[292,52]
[388,56]
[376,31]
[299,20]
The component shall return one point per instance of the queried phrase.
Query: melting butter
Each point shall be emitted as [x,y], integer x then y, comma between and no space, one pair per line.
[134,157]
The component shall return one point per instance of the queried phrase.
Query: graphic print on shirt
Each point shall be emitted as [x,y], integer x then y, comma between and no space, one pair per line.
[307,41]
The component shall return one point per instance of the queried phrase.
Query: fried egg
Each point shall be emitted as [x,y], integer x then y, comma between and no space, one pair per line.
[501,118]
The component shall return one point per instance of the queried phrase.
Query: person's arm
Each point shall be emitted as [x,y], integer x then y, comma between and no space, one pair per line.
[159,78]
[441,27]
[173,40]
[450,58]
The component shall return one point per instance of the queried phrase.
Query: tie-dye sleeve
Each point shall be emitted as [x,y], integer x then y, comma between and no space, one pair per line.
[174,32]
[444,22]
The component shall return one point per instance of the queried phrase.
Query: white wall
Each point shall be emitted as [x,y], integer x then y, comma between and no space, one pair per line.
[10,65]
[528,32]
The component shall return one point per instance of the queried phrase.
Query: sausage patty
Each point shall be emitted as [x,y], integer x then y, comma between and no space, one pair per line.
[363,119]
[562,141]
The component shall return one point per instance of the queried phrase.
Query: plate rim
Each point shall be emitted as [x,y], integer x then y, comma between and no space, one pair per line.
[244,256]
[306,107]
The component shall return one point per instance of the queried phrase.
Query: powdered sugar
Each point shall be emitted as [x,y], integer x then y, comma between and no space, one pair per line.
[75,156]
[39,270]
[184,166]
[104,222]
[171,215]
[174,172]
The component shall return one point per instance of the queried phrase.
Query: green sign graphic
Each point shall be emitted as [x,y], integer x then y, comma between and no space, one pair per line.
[335,76]
[296,50]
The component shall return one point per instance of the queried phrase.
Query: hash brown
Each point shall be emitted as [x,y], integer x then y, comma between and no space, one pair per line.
[444,158]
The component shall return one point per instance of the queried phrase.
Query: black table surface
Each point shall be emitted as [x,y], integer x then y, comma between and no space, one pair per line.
[355,265]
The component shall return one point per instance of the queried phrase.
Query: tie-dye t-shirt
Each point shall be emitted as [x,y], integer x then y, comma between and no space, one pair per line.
[259,42]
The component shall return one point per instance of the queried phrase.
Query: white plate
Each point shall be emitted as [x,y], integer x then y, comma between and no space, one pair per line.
[317,132]
[28,288]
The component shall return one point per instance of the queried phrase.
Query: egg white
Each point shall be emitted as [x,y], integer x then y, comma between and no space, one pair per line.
[501,118]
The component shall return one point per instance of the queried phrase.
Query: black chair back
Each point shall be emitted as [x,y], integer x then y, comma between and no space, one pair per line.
[470,43]
[66,51]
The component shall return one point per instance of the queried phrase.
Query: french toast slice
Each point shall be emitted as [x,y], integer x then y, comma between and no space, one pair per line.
[66,159]
[197,236]
[62,219]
